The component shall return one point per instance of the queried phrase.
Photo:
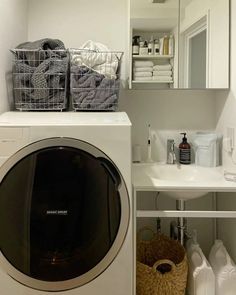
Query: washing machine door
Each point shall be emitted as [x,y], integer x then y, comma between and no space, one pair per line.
[64,214]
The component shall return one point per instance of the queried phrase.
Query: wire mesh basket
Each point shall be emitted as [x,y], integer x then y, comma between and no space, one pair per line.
[95,79]
[40,79]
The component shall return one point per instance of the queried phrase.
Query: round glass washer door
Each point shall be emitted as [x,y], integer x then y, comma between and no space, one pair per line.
[64,214]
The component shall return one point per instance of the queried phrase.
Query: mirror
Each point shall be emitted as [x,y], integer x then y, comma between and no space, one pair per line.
[179,44]
[204,44]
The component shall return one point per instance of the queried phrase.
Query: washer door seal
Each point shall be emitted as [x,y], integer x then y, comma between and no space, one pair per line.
[64,214]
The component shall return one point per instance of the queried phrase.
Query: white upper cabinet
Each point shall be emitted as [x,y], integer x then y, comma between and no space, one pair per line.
[179,44]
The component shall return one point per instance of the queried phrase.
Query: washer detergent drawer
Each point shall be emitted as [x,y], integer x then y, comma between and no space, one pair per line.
[12,139]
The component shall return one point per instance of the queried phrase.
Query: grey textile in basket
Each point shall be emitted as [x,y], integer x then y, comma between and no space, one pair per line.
[91,90]
[33,57]
[39,75]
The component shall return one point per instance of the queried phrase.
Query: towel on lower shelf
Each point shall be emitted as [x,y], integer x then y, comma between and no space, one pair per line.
[143,69]
[163,79]
[165,67]
[162,73]
[143,63]
[143,74]
[143,79]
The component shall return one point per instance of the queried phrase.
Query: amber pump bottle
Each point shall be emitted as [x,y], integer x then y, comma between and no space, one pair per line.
[184,151]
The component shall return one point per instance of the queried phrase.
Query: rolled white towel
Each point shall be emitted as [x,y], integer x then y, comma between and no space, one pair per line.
[143,74]
[143,79]
[162,73]
[143,63]
[166,67]
[163,79]
[143,69]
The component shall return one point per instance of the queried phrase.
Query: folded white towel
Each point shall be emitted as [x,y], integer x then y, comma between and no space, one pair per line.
[163,79]
[143,69]
[143,74]
[166,67]
[143,79]
[143,63]
[162,73]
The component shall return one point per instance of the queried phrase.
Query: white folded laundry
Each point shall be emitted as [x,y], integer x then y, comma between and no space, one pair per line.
[162,73]
[143,69]
[166,67]
[163,79]
[143,63]
[98,57]
[143,74]
[143,79]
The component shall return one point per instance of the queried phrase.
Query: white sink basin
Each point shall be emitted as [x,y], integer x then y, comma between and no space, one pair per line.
[190,173]
[180,179]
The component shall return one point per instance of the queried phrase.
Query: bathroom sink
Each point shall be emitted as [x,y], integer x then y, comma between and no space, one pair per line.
[181,182]
[186,173]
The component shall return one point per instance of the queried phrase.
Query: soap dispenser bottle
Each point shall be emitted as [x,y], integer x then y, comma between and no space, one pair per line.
[184,151]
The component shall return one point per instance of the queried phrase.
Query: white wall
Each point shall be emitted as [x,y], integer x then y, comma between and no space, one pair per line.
[169,112]
[76,21]
[226,117]
[13,30]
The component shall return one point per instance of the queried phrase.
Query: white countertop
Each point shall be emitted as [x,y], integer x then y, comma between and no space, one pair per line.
[64,119]
[163,177]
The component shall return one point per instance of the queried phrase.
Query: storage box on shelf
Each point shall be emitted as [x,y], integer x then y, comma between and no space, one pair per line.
[94,79]
[40,79]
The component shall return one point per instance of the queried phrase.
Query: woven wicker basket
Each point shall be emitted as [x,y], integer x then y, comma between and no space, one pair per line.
[162,266]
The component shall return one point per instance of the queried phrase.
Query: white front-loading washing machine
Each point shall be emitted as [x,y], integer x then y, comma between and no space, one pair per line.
[65,204]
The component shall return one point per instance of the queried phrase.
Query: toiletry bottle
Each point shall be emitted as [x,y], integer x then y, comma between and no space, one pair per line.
[151,46]
[145,48]
[166,45]
[156,47]
[161,45]
[171,45]
[141,46]
[135,45]
[184,151]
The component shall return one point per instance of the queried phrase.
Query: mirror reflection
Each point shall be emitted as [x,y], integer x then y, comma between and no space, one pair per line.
[179,44]
[204,44]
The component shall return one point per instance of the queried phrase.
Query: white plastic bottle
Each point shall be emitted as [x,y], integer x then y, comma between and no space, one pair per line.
[151,46]
[224,269]
[171,45]
[201,278]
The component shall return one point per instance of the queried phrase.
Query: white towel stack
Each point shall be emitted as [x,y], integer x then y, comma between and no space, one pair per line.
[142,70]
[162,73]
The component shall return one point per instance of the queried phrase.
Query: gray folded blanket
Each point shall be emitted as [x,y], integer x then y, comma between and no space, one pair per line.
[91,90]
[40,73]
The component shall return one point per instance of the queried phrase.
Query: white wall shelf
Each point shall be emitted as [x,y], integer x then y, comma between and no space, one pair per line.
[186,214]
[152,56]
[152,82]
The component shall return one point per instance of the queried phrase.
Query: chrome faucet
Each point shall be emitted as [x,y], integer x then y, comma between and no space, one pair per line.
[171,156]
